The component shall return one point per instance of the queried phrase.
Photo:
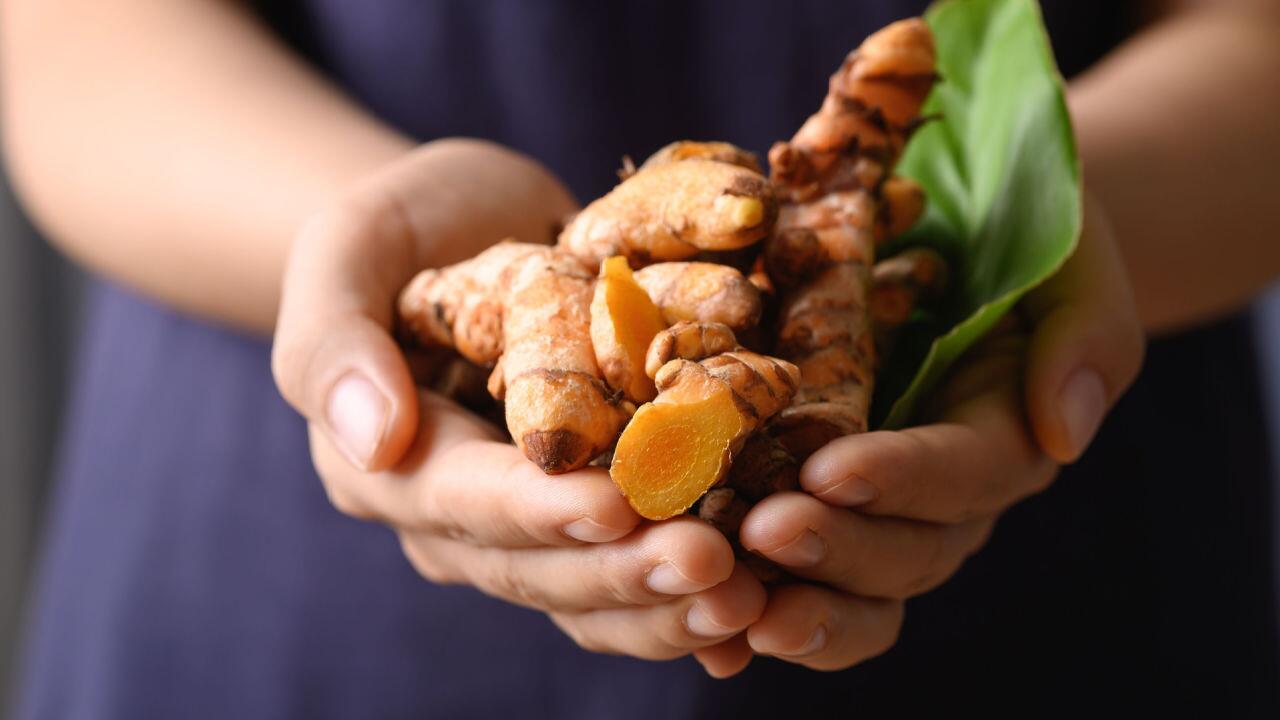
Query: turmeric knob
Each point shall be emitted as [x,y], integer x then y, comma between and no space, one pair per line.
[680,445]
[672,211]
[702,292]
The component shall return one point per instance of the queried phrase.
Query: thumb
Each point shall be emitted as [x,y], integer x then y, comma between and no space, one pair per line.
[1086,346]
[333,357]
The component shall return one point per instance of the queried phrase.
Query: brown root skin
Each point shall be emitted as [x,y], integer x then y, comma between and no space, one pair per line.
[624,322]
[763,467]
[459,306]
[836,205]
[680,445]
[825,329]
[872,106]
[837,227]
[704,150]
[899,286]
[671,211]
[724,510]
[702,292]
[558,409]
[892,71]
[688,341]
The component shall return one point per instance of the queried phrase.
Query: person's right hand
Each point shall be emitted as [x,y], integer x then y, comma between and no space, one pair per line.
[468,507]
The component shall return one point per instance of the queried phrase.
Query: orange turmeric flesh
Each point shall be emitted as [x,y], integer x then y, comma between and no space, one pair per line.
[624,322]
[675,449]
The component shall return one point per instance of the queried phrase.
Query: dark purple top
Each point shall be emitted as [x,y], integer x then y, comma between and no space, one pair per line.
[194,569]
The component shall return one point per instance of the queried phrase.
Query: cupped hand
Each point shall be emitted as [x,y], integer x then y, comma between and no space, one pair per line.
[888,515]
[468,507]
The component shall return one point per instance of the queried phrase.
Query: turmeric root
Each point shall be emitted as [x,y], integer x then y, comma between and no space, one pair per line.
[673,210]
[688,340]
[831,178]
[901,205]
[459,306]
[680,445]
[899,285]
[703,292]
[901,282]
[871,108]
[624,322]
[764,467]
[837,227]
[724,510]
[530,306]
[825,330]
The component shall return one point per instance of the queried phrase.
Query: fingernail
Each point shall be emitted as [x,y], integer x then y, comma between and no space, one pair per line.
[849,492]
[700,623]
[357,415]
[590,531]
[816,642]
[668,580]
[805,551]
[1081,404]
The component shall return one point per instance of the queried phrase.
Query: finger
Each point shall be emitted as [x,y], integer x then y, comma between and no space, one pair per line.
[823,629]
[976,462]
[727,658]
[333,357]
[457,481]
[651,566]
[866,555]
[1087,346]
[671,630]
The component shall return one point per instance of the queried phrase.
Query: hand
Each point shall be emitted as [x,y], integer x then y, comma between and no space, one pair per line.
[927,497]
[468,507]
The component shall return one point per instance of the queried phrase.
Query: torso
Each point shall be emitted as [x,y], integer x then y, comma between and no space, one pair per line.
[196,570]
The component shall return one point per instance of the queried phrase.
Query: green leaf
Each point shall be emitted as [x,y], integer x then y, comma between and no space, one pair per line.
[1003,184]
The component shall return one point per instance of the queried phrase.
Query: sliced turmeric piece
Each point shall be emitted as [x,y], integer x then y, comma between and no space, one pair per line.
[624,322]
[677,447]
[680,445]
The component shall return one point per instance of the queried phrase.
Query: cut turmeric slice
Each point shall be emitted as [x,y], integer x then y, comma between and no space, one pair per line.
[682,444]
[624,322]
[677,447]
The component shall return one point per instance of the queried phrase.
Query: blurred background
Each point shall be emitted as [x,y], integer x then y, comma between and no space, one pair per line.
[39,304]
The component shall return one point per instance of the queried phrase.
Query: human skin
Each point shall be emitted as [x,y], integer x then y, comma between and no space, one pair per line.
[234,182]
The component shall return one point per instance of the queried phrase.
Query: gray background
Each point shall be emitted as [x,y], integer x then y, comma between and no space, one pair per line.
[39,303]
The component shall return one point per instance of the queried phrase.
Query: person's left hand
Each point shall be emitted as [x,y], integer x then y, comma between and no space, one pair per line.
[927,497]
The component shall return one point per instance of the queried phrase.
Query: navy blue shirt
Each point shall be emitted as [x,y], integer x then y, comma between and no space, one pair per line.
[194,569]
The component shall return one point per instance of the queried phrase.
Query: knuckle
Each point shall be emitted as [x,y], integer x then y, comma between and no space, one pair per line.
[425,563]
[616,588]
[935,568]
[506,581]
[287,360]
[580,637]
[346,503]
[891,630]
[428,512]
